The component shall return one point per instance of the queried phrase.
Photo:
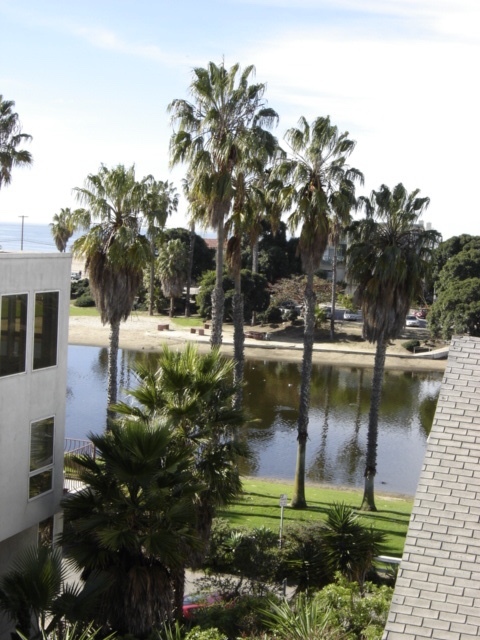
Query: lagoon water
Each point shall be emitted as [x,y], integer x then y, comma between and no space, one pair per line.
[338,417]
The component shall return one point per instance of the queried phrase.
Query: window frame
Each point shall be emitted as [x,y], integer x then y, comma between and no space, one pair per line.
[47,468]
[57,329]
[17,294]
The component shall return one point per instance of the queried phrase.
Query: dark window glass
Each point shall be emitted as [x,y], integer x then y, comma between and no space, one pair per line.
[41,457]
[46,330]
[13,334]
[40,483]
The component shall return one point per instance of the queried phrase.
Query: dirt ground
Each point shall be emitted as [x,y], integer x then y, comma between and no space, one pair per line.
[285,342]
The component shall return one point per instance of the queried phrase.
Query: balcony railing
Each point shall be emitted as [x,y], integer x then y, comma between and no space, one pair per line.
[74,447]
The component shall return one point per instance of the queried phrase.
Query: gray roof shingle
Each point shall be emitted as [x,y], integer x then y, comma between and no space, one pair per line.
[437,594]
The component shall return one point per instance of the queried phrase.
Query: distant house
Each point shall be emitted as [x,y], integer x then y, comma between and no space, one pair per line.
[34,301]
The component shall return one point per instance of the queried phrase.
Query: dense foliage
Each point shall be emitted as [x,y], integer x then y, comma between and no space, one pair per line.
[456,309]
[254,287]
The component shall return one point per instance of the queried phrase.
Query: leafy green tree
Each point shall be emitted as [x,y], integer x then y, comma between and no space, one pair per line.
[65,224]
[225,119]
[114,249]
[450,248]
[314,172]
[388,260]
[133,523]
[457,309]
[172,266]
[160,200]
[254,287]
[203,255]
[11,137]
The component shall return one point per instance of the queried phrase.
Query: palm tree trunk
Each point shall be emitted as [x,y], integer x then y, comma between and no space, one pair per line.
[218,295]
[255,248]
[172,307]
[298,499]
[191,247]
[334,289]
[152,280]
[113,363]
[238,342]
[368,502]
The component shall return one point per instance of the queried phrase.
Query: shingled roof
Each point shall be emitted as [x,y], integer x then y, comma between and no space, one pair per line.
[437,593]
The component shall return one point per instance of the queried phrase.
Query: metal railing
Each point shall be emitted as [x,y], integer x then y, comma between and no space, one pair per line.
[74,447]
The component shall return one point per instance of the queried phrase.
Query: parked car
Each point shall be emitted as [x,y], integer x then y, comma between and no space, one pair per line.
[352,315]
[195,601]
[328,312]
[412,321]
[421,313]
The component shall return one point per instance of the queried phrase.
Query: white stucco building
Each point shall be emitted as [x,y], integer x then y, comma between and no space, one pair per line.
[34,301]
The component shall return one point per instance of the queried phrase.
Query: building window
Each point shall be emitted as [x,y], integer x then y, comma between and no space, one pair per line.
[41,457]
[13,334]
[46,330]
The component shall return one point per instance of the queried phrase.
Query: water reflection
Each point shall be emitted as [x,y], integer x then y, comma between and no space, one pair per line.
[337,421]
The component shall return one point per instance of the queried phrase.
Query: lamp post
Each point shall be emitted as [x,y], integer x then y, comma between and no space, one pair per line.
[21,241]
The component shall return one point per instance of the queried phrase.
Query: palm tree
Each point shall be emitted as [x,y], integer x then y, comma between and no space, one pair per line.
[36,596]
[65,224]
[247,199]
[226,117]
[311,174]
[11,137]
[388,260]
[172,265]
[193,393]
[132,523]
[114,249]
[342,202]
[160,201]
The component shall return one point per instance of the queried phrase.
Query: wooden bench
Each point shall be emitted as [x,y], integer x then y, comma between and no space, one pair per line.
[256,335]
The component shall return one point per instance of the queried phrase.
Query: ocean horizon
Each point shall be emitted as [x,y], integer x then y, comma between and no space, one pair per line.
[36,237]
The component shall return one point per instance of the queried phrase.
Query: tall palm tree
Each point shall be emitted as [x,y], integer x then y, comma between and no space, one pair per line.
[159,201]
[342,202]
[11,137]
[133,522]
[247,199]
[311,174]
[65,224]
[388,260]
[226,116]
[115,252]
[172,265]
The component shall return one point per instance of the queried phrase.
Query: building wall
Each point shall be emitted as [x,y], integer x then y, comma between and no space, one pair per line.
[31,396]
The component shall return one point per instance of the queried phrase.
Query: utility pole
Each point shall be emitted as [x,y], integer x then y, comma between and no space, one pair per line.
[21,241]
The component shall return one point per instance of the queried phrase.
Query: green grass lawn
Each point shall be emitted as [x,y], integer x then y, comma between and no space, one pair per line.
[83,311]
[259,506]
[187,322]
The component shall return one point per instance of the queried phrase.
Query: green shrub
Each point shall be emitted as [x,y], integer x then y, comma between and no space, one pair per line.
[205,634]
[79,287]
[410,345]
[85,300]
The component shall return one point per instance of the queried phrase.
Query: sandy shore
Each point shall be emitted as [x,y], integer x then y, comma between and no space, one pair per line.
[140,332]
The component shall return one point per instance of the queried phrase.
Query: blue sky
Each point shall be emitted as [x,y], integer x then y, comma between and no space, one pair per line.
[92,81]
